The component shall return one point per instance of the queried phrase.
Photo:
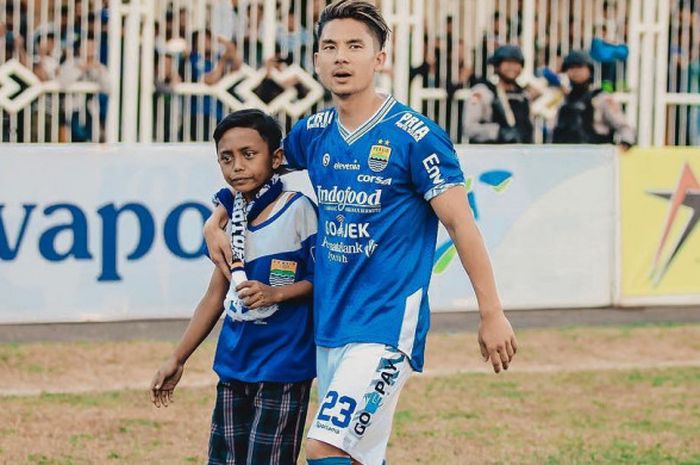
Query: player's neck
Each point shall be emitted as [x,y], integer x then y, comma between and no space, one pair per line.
[354,110]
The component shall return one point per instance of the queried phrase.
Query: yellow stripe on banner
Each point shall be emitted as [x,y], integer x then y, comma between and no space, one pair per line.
[660,219]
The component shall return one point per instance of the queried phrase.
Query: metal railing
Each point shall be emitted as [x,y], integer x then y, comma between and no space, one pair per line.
[167,70]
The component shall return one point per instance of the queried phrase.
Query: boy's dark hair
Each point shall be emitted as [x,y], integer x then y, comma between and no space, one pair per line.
[359,10]
[264,124]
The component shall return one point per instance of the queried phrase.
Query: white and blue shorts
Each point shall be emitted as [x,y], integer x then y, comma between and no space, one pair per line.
[359,386]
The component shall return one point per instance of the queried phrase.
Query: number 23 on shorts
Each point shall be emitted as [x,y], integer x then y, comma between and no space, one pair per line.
[347,407]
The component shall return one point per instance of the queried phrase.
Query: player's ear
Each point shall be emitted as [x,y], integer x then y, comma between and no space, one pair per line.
[316,63]
[380,59]
[277,158]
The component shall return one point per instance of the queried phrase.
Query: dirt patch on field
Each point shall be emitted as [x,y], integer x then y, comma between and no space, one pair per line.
[597,396]
[108,366]
[613,417]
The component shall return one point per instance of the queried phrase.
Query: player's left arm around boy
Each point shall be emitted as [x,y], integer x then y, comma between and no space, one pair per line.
[218,242]
[496,337]
[255,294]
[205,317]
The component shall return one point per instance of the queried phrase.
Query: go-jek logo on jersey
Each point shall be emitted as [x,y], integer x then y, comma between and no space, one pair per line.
[498,180]
[357,232]
[346,230]
[348,199]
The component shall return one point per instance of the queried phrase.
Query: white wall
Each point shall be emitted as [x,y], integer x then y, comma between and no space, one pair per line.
[550,231]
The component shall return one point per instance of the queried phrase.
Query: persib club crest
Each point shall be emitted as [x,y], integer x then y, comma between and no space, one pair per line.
[282,272]
[379,156]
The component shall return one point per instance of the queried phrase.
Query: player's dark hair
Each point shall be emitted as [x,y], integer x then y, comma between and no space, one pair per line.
[264,124]
[359,10]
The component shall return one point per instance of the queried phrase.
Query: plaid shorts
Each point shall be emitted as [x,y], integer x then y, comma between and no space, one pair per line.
[258,423]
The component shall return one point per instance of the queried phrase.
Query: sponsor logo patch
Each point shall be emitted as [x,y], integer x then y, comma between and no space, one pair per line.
[319,120]
[354,166]
[379,156]
[372,179]
[282,272]
[413,126]
[382,386]
[339,199]
[431,163]
[349,230]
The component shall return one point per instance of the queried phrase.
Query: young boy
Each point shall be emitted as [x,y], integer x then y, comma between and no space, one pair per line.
[384,176]
[265,356]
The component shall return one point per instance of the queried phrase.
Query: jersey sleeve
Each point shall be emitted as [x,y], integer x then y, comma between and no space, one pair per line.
[434,164]
[224,197]
[295,157]
[307,228]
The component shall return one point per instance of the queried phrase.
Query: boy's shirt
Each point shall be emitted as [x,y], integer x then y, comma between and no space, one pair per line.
[377,231]
[279,251]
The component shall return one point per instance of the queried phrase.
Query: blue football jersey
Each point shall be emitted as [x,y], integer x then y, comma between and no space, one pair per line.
[278,251]
[377,232]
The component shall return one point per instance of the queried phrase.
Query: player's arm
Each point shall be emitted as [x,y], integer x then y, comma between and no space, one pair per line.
[205,316]
[218,243]
[496,337]
[255,294]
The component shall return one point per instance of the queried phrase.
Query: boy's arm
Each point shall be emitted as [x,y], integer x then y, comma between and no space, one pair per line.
[257,295]
[496,338]
[205,317]
[218,243]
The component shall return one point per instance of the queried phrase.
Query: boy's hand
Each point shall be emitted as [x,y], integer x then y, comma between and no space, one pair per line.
[255,294]
[164,382]
[219,246]
[497,341]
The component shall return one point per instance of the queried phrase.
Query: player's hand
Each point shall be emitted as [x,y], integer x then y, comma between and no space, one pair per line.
[219,246]
[255,294]
[164,382]
[497,341]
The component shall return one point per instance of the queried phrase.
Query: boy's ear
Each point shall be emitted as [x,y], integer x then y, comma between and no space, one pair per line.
[277,158]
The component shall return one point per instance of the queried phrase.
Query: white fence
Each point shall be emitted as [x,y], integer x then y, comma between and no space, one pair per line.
[165,70]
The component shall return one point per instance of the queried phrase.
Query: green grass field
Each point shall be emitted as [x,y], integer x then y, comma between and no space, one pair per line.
[598,396]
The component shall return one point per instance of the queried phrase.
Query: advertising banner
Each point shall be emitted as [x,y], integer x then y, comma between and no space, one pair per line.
[98,232]
[660,230]
[547,214]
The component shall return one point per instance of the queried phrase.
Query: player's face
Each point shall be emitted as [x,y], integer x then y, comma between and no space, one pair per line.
[245,160]
[578,74]
[347,57]
[509,70]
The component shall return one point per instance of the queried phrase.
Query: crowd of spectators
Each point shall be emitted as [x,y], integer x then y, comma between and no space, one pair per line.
[70,48]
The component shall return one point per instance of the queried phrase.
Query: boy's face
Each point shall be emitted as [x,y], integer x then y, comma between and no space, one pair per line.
[245,160]
[347,57]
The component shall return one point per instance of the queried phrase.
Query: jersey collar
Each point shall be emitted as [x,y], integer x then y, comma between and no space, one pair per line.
[364,128]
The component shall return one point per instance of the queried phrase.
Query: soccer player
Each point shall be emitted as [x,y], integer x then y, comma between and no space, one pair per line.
[384,175]
[265,357]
